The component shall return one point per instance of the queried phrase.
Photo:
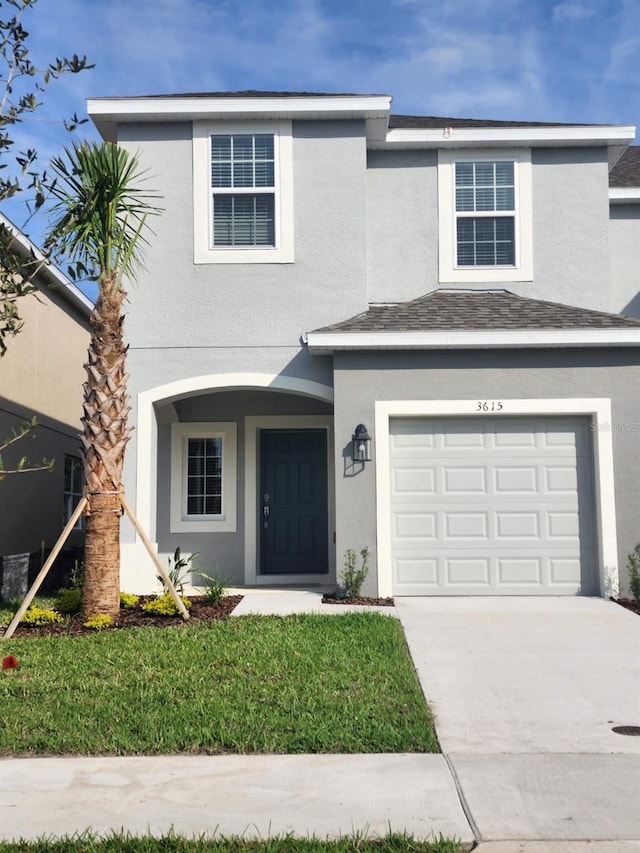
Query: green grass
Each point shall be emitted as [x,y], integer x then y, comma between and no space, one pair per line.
[124,843]
[295,684]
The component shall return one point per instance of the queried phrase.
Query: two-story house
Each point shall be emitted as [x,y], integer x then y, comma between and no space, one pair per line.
[41,375]
[396,332]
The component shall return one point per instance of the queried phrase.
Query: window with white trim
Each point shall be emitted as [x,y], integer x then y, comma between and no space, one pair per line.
[73,488]
[243,189]
[485,213]
[203,477]
[243,192]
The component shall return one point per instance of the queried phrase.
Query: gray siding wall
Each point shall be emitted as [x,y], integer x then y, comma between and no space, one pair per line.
[361,379]
[570,239]
[193,320]
[624,230]
[180,304]
[32,504]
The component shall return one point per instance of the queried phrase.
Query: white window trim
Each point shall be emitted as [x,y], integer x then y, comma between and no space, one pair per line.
[449,271]
[598,408]
[180,522]
[282,252]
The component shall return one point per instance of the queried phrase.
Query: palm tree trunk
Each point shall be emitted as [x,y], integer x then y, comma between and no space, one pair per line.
[105,437]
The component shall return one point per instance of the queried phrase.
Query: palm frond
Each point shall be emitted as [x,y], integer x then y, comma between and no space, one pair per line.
[101,210]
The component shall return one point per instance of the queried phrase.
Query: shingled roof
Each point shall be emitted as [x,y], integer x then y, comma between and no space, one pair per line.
[447,310]
[626,172]
[408,122]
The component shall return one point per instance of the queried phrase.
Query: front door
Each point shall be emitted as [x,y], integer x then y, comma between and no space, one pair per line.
[293,513]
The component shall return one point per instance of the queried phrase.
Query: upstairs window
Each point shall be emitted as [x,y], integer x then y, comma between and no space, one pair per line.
[485,213]
[485,216]
[243,187]
[243,192]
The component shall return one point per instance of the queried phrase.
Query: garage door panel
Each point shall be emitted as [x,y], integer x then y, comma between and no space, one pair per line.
[517,525]
[412,481]
[520,570]
[506,509]
[409,526]
[464,480]
[515,479]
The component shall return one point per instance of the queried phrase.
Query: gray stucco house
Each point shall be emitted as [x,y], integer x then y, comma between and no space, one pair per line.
[467,290]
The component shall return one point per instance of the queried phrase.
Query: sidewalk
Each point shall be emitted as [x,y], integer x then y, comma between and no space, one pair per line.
[538,802]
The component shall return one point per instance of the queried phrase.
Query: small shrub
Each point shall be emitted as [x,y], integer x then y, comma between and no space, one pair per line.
[179,568]
[352,578]
[164,605]
[214,588]
[633,566]
[128,599]
[35,616]
[98,622]
[76,575]
[68,600]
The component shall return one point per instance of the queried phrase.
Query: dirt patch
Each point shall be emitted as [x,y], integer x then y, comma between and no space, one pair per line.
[371,602]
[134,617]
[629,604]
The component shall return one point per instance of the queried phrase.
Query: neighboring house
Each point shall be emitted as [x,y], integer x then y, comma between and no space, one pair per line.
[456,286]
[41,375]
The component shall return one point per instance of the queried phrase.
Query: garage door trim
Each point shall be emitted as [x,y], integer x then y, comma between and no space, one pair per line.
[598,409]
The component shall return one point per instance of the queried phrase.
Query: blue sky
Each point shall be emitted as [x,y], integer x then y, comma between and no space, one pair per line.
[567,61]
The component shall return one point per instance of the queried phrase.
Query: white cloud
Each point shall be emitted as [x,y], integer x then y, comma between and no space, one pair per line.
[571,12]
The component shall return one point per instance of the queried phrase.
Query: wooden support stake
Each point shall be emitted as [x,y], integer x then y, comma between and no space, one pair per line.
[163,572]
[35,586]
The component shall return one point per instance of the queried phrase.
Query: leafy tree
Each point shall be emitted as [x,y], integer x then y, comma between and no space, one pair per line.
[22,85]
[99,219]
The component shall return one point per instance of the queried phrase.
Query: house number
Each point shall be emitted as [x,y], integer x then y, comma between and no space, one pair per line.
[489,406]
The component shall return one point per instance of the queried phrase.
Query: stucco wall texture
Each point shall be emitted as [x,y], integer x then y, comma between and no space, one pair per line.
[363,378]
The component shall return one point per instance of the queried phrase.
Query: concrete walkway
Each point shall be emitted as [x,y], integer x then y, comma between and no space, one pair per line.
[525,692]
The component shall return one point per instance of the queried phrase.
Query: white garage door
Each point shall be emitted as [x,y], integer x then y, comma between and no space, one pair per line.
[492,506]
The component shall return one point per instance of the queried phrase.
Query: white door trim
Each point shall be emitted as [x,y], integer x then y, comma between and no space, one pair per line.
[252,426]
[598,408]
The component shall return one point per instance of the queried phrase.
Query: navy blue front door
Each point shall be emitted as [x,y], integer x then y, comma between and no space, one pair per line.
[293,501]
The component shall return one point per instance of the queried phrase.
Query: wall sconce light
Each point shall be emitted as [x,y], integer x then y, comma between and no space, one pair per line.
[361,444]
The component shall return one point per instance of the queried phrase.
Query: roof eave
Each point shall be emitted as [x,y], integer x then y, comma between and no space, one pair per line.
[326,343]
[624,195]
[615,137]
[108,113]
[23,246]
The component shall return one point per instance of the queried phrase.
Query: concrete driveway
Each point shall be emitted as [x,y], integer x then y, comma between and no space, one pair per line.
[525,692]
[527,675]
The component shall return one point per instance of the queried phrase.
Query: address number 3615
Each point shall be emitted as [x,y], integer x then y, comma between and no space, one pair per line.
[489,406]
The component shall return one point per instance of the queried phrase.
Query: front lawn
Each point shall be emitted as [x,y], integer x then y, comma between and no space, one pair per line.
[295,684]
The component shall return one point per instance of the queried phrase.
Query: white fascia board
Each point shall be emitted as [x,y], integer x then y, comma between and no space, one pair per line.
[472,137]
[23,246]
[107,112]
[624,195]
[323,343]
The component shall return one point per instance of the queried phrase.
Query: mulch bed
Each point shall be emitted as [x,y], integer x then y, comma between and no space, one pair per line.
[372,602]
[134,617]
[629,604]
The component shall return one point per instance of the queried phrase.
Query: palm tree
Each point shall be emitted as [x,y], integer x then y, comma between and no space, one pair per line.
[98,220]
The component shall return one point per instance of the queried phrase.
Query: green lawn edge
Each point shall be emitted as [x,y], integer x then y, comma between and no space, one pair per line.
[120,842]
